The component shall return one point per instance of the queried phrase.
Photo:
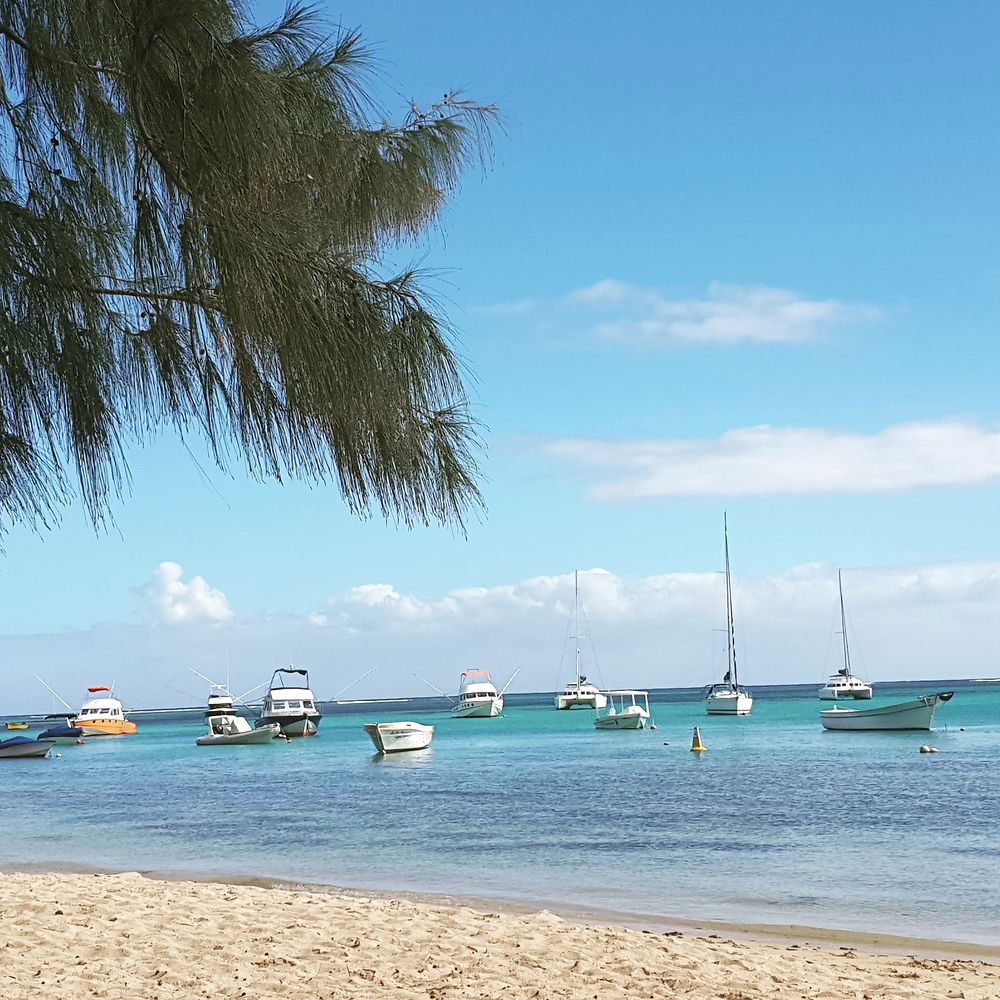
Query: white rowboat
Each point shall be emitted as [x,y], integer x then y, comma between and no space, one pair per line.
[397,737]
[916,714]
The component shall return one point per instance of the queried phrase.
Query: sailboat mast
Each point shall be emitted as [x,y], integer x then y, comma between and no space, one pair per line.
[843,628]
[576,609]
[731,634]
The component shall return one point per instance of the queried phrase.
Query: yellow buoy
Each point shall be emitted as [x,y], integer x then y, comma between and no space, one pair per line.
[696,745]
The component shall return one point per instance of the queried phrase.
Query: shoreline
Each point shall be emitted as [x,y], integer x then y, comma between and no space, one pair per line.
[777,935]
[117,936]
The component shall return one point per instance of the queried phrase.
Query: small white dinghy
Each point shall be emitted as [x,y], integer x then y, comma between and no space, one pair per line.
[395,737]
[234,730]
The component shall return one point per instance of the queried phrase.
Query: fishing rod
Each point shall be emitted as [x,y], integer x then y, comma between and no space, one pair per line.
[355,681]
[54,693]
[511,681]
[435,687]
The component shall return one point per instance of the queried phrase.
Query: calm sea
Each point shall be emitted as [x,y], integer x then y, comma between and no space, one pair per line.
[780,822]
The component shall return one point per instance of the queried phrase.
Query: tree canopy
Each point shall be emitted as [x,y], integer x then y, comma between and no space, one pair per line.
[194,218]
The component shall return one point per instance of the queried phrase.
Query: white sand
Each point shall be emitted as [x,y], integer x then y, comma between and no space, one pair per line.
[127,936]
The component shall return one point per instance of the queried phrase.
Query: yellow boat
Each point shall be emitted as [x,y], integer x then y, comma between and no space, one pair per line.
[16,725]
[103,715]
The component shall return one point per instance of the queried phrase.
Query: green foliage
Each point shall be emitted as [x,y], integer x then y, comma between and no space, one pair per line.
[193,216]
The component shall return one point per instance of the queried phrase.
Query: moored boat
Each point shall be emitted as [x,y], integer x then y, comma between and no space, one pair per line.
[478,697]
[234,730]
[915,714]
[21,746]
[64,735]
[102,714]
[728,698]
[290,705]
[844,684]
[578,693]
[624,709]
[397,737]
[16,725]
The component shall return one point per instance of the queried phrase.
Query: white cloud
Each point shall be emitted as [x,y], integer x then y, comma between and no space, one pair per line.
[726,314]
[169,600]
[788,460]
[921,621]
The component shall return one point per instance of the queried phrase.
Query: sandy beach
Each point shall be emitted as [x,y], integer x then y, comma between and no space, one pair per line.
[126,935]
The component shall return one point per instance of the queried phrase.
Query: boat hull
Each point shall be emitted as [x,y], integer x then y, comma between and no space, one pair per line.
[63,735]
[485,708]
[626,720]
[107,727]
[297,725]
[917,714]
[262,734]
[21,747]
[729,703]
[399,737]
[564,702]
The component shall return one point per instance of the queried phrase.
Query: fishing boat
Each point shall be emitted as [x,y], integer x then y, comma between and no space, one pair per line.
[290,705]
[916,714]
[16,725]
[844,684]
[226,727]
[21,746]
[623,710]
[102,714]
[578,693]
[396,737]
[728,698]
[478,697]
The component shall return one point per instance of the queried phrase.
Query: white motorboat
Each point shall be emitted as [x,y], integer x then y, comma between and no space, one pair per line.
[234,730]
[623,710]
[578,693]
[396,737]
[290,705]
[478,697]
[844,684]
[916,714]
[728,698]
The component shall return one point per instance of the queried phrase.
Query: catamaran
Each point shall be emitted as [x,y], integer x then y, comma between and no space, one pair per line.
[728,698]
[844,684]
[578,693]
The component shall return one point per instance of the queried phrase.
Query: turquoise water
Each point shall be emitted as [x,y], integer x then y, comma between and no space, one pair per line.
[780,822]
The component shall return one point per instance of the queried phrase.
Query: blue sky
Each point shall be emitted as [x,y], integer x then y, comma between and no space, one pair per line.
[727,257]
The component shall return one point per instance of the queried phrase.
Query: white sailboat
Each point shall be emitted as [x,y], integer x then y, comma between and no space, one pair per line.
[844,684]
[728,698]
[578,693]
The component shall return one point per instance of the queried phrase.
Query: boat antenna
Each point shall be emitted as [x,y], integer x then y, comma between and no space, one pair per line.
[435,687]
[511,681]
[256,687]
[54,693]
[731,629]
[367,673]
